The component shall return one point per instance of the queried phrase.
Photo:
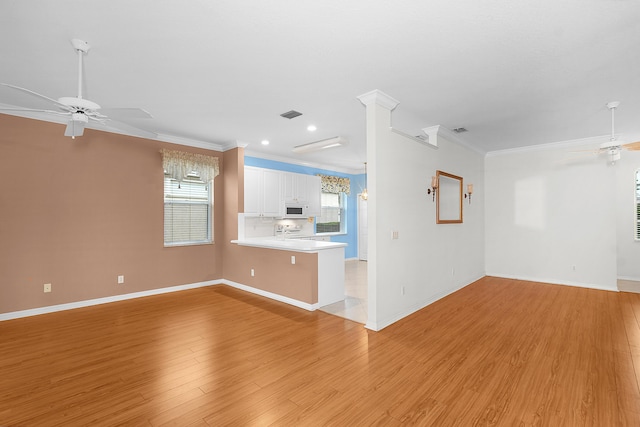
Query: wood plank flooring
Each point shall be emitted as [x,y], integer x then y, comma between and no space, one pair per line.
[498,352]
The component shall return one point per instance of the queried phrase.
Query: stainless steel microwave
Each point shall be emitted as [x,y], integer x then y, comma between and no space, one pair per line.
[295,210]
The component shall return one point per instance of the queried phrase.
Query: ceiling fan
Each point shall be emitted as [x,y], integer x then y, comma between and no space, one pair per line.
[613,147]
[81,111]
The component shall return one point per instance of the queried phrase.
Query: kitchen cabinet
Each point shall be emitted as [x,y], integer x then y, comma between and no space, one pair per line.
[294,187]
[302,189]
[314,189]
[262,196]
[266,191]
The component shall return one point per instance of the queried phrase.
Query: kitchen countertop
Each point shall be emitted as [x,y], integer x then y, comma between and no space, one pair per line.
[290,244]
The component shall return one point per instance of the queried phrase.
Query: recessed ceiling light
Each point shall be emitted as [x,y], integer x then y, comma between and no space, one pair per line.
[265,142]
[311,128]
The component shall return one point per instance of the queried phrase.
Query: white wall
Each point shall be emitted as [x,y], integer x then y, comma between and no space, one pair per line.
[551,216]
[628,247]
[428,260]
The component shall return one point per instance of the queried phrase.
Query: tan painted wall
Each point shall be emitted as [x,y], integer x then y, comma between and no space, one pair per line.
[273,269]
[78,213]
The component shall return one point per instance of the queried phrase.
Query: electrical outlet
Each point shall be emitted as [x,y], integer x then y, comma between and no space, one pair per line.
[120,280]
[47,287]
[293,259]
[253,273]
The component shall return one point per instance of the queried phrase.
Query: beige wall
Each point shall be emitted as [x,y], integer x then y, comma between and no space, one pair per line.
[78,213]
[273,269]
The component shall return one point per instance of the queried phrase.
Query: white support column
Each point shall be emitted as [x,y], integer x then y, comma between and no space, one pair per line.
[378,112]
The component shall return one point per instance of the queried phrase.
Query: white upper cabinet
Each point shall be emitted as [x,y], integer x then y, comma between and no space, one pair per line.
[262,192]
[294,186]
[313,195]
[266,191]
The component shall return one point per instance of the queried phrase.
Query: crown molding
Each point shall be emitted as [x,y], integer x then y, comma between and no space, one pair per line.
[328,167]
[437,131]
[378,97]
[593,140]
[173,139]
[426,141]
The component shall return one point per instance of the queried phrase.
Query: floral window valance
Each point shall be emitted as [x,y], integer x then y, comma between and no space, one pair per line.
[178,164]
[335,184]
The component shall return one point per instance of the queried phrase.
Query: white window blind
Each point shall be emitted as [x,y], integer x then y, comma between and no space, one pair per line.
[187,211]
[331,213]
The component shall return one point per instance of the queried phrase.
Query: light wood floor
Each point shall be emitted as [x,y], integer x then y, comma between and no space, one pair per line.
[498,352]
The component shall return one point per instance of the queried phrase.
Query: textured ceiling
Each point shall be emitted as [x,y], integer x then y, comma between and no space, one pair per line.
[513,73]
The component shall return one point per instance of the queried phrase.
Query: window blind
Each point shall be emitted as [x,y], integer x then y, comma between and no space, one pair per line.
[187,211]
[330,219]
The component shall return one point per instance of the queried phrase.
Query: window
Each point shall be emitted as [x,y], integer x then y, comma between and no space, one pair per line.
[332,218]
[187,211]
[638,204]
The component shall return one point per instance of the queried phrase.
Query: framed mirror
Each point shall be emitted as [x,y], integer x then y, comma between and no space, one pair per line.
[448,198]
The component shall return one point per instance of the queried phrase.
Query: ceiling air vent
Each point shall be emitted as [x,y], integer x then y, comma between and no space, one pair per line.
[460,130]
[291,114]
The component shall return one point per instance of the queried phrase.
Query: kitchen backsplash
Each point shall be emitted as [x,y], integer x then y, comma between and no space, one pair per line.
[265,227]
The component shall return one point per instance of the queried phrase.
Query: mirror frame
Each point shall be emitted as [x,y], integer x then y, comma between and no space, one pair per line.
[450,195]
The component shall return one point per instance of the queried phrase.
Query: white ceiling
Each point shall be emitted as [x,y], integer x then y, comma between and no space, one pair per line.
[513,73]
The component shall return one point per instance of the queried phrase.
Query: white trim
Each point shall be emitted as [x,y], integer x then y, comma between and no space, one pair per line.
[629,278]
[428,142]
[105,300]
[282,159]
[595,140]
[190,142]
[439,131]
[378,97]
[555,282]
[377,326]
[267,294]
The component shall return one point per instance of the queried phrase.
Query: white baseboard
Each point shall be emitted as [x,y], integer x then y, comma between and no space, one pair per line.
[281,298]
[379,325]
[556,282]
[105,300]
[629,278]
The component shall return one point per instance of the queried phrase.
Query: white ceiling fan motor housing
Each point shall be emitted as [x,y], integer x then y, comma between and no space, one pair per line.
[79,103]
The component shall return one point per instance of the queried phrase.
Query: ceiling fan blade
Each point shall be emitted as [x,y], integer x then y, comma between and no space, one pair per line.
[74,128]
[126,128]
[125,113]
[30,92]
[34,110]
[633,146]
